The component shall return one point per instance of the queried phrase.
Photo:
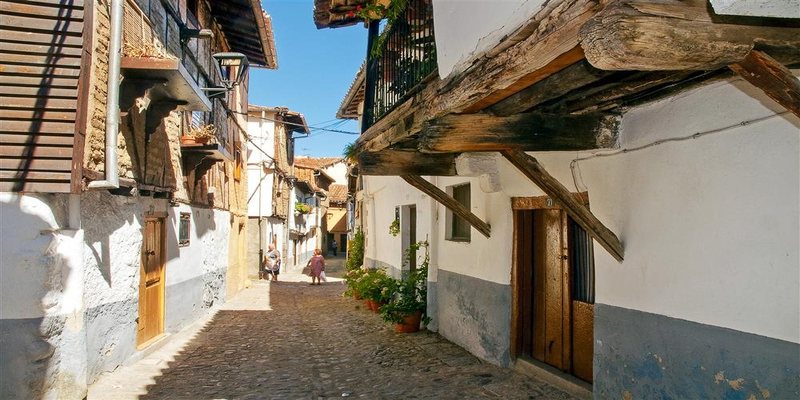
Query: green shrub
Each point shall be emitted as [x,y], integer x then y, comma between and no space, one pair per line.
[355,252]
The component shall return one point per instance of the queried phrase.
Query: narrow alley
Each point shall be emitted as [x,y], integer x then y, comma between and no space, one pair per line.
[291,340]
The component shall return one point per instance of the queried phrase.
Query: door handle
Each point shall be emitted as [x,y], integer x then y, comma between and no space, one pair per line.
[150,252]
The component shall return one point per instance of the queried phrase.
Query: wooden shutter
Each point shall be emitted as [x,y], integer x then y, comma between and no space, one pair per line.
[41,45]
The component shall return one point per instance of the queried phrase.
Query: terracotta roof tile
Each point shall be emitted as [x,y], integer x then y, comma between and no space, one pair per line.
[316,163]
[337,193]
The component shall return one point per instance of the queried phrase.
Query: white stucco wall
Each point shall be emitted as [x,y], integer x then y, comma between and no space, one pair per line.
[382,195]
[41,298]
[338,172]
[464,32]
[262,134]
[758,8]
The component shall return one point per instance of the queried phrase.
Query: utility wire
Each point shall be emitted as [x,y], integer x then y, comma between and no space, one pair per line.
[574,163]
[301,125]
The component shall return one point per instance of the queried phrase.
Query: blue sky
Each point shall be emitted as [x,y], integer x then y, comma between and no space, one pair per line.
[315,69]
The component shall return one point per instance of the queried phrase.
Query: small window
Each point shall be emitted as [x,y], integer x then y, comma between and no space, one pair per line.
[581,256]
[237,165]
[458,229]
[183,229]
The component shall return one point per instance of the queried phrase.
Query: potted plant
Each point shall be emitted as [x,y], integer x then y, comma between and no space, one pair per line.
[302,208]
[200,135]
[394,227]
[376,287]
[351,279]
[407,308]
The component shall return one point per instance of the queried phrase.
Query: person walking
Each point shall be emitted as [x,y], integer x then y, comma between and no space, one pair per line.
[333,247]
[316,267]
[272,262]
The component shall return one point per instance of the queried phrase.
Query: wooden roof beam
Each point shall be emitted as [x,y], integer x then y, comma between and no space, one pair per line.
[455,133]
[664,35]
[531,168]
[390,162]
[449,202]
[772,77]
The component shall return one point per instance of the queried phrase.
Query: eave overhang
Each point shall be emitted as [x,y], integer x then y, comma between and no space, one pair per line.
[248,30]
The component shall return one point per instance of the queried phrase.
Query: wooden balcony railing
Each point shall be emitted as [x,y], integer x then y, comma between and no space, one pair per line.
[398,60]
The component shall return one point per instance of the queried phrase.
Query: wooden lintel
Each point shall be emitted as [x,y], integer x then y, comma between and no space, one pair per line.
[531,168]
[452,204]
[674,35]
[531,132]
[390,162]
[772,77]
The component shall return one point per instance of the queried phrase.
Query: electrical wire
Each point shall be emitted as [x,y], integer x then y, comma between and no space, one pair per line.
[574,163]
[310,127]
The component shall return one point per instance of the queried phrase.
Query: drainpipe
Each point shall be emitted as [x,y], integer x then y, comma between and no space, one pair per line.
[112,103]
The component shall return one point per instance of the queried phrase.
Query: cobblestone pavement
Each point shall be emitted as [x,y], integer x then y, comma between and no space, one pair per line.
[309,342]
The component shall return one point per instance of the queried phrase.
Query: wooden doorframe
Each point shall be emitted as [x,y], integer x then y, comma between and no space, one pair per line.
[161,217]
[527,204]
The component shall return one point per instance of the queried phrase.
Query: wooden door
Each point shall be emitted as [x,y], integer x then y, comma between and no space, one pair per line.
[151,283]
[412,237]
[552,326]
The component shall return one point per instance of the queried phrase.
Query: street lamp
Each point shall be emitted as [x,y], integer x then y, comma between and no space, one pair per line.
[231,67]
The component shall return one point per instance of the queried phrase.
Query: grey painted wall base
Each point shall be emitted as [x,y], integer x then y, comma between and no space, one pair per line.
[651,356]
[475,314]
[376,264]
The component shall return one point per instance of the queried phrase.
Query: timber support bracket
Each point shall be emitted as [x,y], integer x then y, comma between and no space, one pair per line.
[531,168]
[446,200]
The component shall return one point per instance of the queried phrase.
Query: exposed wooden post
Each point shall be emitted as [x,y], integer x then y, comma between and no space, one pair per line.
[536,173]
[406,162]
[449,202]
[531,132]
[772,77]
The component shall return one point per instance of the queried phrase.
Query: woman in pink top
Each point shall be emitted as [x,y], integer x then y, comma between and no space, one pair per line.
[317,265]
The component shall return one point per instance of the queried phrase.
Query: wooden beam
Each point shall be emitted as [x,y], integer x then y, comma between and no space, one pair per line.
[666,35]
[455,133]
[772,77]
[449,202]
[573,77]
[406,162]
[531,168]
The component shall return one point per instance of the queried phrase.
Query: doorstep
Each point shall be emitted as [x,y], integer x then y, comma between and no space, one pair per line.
[555,377]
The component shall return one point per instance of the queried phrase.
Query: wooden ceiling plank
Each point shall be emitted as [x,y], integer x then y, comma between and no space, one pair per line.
[449,202]
[406,162]
[531,168]
[763,72]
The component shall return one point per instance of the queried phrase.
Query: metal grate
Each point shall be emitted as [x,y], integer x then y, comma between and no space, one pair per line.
[398,60]
[582,256]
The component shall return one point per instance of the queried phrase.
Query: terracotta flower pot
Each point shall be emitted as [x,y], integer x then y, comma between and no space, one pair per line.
[373,305]
[410,323]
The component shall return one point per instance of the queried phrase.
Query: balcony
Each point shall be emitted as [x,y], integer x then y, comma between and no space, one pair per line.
[399,60]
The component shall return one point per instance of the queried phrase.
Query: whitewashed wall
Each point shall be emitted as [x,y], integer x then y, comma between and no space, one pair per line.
[262,134]
[464,30]
[338,172]
[42,330]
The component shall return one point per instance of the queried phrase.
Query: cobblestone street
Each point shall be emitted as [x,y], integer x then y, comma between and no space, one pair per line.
[291,340]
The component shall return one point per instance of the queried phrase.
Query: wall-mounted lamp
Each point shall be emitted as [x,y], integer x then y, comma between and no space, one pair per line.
[230,64]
